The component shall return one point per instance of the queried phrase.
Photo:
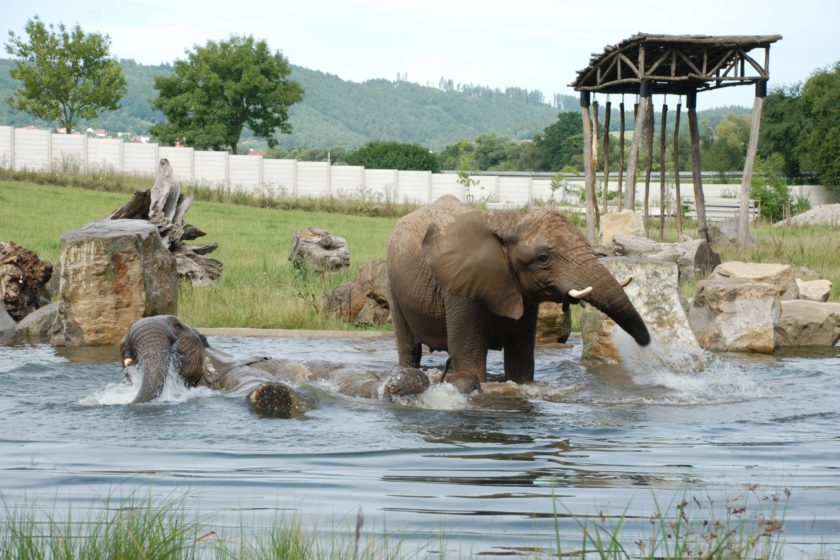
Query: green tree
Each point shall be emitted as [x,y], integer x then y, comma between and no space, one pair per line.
[783,128]
[820,149]
[66,74]
[769,187]
[220,89]
[394,155]
[562,141]
[724,147]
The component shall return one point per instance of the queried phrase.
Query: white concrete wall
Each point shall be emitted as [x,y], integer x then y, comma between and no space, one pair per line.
[414,186]
[313,179]
[33,149]
[280,175]
[140,159]
[246,173]
[104,153]
[347,181]
[210,169]
[69,152]
[7,147]
[181,160]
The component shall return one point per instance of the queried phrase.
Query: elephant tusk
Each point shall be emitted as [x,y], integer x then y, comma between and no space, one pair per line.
[626,281]
[127,362]
[578,294]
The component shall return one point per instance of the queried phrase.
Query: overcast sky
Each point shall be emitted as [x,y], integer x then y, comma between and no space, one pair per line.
[533,44]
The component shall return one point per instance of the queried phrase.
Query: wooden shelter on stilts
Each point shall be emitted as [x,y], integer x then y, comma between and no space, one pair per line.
[679,65]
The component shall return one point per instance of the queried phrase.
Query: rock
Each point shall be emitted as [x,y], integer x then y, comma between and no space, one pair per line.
[23,280]
[808,323]
[726,233]
[553,323]
[318,247]
[654,292]
[806,274]
[113,272]
[694,257]
[824,214]
[625,222]
[781,276]
[39,323]
[364,301]
[814,290]
[6,322]
[735,314]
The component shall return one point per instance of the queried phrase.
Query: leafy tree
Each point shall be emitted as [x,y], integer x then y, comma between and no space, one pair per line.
[783,128]
[222,88]
[394,155]
[724,147]
[562,141]
[65,75]
[820,147]
[769,187]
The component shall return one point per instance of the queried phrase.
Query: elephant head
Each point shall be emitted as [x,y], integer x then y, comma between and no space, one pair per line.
[155,344]
[506,259]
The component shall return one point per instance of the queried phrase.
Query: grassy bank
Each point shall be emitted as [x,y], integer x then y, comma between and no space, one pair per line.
[750,526]
[259,287]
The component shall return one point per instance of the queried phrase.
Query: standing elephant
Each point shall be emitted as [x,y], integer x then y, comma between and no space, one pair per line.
[465,281]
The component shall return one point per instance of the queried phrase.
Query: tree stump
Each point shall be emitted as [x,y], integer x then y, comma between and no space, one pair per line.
[364,301]
[318,248]
[164,206]
[23,280]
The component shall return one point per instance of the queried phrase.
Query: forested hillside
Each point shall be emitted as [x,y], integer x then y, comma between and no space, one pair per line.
[335,112]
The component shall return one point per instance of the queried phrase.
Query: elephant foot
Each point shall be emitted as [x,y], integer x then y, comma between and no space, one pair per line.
[466,383]
[407,381]
[277,400]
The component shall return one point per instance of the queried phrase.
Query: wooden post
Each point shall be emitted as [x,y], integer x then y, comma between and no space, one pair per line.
[649,161]
[594,155]
[677,199]
[662,171]
[620,152]
[746,181]
[607,156]
[589,172]
[638,130]
[699,199]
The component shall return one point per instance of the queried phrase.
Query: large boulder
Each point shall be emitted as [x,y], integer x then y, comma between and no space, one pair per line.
[554,324]
[364,301]
[113,272]
[7,324]
[808,323]
[725,232]
[736,315]
[814,290]
[320,249]
[781,276]
[694,257]
[625,222]
[23,280]
[654,292]
[824,214]
[39,323]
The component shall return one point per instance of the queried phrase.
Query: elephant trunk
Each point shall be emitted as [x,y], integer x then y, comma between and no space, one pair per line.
[150,347]
[608,296]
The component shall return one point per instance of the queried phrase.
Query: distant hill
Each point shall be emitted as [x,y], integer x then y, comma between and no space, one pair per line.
[337,112]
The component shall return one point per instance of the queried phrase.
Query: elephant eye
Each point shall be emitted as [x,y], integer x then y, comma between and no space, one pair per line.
[543,259]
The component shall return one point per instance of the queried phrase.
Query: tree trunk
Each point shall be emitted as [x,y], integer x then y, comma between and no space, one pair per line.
[746,181]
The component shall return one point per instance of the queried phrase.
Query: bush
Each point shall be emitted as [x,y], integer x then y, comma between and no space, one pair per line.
[769,187]
[394,155]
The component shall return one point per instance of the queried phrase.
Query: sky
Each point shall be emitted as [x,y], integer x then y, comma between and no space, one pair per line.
[531,44]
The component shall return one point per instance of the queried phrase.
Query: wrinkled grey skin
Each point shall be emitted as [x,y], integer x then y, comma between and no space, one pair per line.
[466,281]
[153,343]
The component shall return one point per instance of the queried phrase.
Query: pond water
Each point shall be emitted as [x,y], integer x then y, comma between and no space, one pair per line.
[486,476]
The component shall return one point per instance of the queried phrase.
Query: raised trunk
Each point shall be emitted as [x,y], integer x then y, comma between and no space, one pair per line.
[153,364]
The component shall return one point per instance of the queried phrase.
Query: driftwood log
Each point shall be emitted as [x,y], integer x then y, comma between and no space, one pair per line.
[695,257]
[165,206]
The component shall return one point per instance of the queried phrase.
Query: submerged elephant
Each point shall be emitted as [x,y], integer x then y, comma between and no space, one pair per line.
[466,281]
[155,344]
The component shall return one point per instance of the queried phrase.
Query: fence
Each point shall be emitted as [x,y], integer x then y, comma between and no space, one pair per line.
[41,150]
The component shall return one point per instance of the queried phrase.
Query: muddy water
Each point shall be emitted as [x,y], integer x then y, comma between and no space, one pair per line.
[486,473]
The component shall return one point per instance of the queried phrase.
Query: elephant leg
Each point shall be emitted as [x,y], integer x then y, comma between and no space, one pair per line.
[519,349]
[409,348]
[466,341]
[567,323]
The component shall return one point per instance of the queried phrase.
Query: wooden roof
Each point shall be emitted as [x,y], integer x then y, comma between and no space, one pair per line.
[677,63]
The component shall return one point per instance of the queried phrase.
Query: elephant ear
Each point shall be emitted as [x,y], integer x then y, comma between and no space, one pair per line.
[467,259]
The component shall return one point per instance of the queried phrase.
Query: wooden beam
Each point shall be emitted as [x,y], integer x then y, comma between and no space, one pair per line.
[638,132]
[620,151]
[607,115]
[594,155]
[649,160]
[589,172]
[699,199]
[677,196]
[746,180]
[662,166]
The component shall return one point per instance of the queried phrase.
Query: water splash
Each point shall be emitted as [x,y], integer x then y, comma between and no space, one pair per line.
[174,391]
